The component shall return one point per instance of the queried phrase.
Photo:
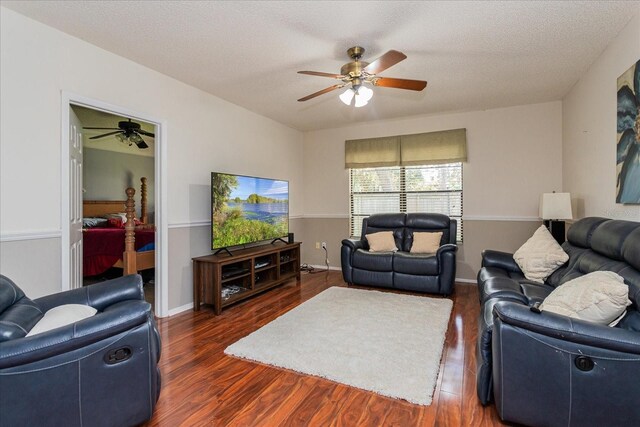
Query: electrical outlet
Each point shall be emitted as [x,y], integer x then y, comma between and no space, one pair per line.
[317,245]
[324,245]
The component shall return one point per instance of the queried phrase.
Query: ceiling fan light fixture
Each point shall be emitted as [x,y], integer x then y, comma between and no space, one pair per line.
[347,96]
[364,93]
[122,138]
[360,101]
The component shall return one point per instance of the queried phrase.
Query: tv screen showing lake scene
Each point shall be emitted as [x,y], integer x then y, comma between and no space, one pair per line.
[247,209]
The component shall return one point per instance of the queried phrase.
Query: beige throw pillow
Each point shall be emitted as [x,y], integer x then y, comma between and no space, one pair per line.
[600,297]
[540,256]
[426,243]
[382,241]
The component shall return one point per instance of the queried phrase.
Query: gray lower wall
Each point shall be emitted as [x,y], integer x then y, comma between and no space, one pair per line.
[478,235]
[34,265]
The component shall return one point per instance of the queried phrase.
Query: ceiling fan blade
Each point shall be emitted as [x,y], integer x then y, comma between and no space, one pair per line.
[145,133]
[318,73]
[321,92]
[101,128]
[417,85]
[141,144]
[387,60]
[107,134]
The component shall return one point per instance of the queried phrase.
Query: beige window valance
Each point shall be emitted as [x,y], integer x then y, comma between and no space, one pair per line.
[430,148]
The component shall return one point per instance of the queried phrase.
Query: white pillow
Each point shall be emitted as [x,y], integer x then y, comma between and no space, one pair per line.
[540,256]
[381,241]
[62,315]
[600,297]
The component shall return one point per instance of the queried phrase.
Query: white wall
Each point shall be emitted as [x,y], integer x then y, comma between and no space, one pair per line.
[204,134]
[589,130]
[514,154]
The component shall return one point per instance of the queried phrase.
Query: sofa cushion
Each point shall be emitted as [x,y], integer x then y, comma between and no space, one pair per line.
[420,222]
[420,264]
[540,256]
[630,322]
[381,241]
[373,261]
[599,297]
[535,292]
[631,249]
[425,242]
[610,237]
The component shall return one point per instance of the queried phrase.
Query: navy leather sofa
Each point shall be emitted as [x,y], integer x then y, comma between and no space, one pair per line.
[434,273]
[551,370]
[100,371]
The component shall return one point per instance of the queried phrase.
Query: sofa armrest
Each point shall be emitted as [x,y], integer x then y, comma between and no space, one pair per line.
[446,255]
[349,246]
[99,295]
[113,320]
[354,244]
[449,247]
[499,259]
[568,329]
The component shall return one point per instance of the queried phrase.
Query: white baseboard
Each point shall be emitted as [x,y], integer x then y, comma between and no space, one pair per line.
[324,267]
[180,309]
[466,280]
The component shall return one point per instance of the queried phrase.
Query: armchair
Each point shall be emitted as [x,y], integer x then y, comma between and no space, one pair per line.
[99,371]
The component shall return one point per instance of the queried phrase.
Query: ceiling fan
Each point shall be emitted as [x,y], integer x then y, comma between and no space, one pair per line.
[128,132]
[358,72]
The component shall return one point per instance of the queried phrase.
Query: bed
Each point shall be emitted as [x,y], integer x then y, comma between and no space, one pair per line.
[127,243]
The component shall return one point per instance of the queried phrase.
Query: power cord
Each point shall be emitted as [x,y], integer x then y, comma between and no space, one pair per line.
[312,270]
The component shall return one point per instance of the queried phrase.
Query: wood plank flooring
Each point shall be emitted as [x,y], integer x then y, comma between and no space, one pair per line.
[201,386]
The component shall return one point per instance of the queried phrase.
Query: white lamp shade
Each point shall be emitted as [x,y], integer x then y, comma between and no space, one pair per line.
[555,206]
[347,96]
[365,93]
[360,101]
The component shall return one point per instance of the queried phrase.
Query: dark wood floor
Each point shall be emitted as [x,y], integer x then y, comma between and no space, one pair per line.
[203,386]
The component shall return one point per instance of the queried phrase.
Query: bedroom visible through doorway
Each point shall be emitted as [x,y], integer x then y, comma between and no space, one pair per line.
[117,154]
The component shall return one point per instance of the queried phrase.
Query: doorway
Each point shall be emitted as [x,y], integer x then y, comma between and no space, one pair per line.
[110,162]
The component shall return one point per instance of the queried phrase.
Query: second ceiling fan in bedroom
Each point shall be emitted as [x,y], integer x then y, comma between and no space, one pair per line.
[128,132]
[357,73]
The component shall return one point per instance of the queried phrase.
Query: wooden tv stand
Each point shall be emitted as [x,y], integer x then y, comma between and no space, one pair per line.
[276,264]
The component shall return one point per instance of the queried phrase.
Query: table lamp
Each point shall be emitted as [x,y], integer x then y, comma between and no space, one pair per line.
[554,208]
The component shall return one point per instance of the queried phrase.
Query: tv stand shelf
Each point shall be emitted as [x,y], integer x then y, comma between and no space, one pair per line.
[277,263]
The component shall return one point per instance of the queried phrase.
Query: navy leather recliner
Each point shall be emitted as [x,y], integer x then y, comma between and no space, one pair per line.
[100,371]
[552,370]
[434,273]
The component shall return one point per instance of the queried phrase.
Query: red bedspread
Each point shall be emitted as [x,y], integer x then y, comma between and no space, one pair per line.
[103,247]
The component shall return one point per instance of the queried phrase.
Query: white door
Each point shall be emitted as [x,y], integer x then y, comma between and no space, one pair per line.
[75,201]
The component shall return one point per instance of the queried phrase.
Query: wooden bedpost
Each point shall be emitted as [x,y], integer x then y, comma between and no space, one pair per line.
[143,200]
[129,255]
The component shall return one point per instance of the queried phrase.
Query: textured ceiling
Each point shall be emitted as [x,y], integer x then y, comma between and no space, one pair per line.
[475,55]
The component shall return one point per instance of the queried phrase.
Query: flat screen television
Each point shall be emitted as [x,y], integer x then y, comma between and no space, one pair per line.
[247,209]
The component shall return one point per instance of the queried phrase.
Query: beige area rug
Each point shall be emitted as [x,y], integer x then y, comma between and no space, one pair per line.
[386,343]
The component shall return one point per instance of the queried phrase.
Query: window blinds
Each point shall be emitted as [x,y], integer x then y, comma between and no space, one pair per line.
[430,148]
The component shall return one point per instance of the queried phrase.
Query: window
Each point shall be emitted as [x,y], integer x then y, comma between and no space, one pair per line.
[433,189]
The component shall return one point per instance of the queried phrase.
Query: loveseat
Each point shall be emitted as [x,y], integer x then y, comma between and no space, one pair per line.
[99,371]
[434,273]
[547,369]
